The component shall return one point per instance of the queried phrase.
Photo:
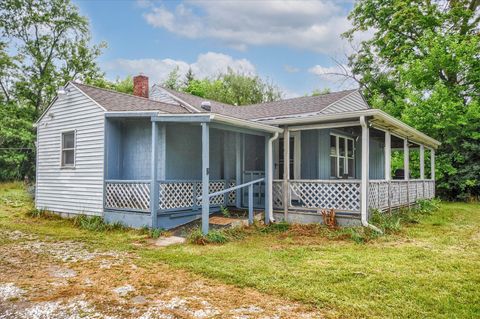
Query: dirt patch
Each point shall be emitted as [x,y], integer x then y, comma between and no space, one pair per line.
[64,279]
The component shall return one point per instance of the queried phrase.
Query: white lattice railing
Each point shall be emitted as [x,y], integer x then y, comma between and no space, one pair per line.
[344,195]
[391,194]
[318,194]
[178,194]
[277,194]
[181,194]
[127,195]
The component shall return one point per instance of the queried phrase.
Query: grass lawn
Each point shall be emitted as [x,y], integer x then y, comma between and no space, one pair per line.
[429,269]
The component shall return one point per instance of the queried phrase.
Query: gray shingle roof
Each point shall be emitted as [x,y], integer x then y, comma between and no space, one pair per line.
[299,105]
[118,102]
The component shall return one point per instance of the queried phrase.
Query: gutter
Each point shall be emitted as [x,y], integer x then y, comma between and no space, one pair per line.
[244,123]
[365,173]
[269,186]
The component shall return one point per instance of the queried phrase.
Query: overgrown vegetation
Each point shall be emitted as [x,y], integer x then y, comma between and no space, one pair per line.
[95,223]
[389,223]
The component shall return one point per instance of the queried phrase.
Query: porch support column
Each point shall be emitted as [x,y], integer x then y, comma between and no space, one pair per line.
[432,164]
[286,170]
[388,156]
[422,162]
[365,171]
[238,170]
[268,177]
[205,177]
[406,160]
[154,201]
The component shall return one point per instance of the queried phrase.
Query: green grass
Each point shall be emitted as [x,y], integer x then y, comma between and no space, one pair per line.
[426,269]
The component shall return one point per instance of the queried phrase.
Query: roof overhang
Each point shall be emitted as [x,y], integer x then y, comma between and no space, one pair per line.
[377,118]
[204,118]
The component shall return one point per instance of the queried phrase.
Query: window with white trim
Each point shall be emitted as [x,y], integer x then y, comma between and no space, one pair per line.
[342,156]
[68,149]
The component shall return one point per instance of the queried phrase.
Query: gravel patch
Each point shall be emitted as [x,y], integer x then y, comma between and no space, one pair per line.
[58,272]
[10,291]
[69,251]
[74,309]
[123,290]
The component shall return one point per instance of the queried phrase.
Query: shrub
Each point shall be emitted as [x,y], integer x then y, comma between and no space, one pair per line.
[387,222]
[156,232]
[213,237]
[426,206]
[41,213]
[96,223]
[276,227]
[225,212]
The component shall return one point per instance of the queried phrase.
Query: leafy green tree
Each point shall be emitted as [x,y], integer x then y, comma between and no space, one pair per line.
[43,44]
[236,89]
[51,43]
[17,135]
[323,91]
[119,85]
[422,65]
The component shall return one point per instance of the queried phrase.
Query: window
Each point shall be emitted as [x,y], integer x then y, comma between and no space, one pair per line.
[68,149]
[342,157]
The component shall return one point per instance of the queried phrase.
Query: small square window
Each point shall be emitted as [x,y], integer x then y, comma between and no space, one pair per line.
[68,148]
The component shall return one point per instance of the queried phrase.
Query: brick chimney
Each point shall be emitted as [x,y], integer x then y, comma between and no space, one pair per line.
[140,85]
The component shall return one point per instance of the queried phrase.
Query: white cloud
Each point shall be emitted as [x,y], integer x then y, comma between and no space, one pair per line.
[207,65]
[312,25]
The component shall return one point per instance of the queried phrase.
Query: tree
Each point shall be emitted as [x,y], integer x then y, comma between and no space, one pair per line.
[323,91]
[173,80]
[189,77]
[51,43]
[422,65]
[124,86]
[235,88]
[43,44]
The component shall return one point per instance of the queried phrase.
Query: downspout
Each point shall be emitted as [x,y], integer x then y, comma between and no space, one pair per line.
[269,185]
[365,173]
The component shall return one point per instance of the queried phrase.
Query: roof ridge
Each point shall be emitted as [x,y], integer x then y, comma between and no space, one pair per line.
[193,95]
[303,97]
[126,94]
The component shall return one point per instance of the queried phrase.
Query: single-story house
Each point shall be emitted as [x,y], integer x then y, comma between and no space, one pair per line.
[161,158]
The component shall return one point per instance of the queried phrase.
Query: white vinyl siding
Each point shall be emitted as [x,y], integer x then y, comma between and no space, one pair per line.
[350,103]
[159,94]
[74,188]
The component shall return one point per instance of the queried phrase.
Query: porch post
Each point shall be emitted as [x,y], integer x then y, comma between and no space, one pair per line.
[162,151]
[406,160]
[238,170]
[205,177]
[286,171]
[365,170]
[432,164]
[422,162]
[268,176]
[388,156]
[154,202]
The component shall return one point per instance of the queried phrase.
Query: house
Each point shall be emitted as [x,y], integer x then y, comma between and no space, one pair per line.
[164,158]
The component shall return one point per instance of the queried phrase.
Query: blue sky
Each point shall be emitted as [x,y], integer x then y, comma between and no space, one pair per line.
[291,43]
